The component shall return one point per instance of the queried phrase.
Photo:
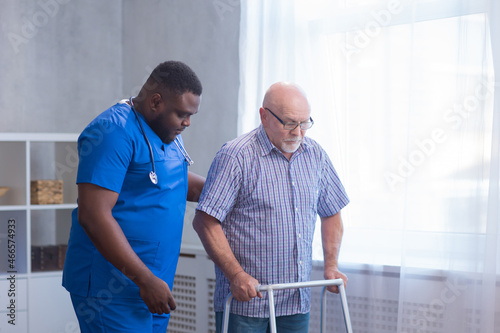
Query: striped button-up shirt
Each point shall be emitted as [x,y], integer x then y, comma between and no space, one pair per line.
[268,207]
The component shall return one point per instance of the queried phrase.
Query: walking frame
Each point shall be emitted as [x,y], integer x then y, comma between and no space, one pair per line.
[272,316]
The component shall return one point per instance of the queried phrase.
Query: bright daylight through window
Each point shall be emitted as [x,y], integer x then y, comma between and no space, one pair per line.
[402,98]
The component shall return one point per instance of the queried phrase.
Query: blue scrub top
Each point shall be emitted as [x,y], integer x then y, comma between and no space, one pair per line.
[114,155]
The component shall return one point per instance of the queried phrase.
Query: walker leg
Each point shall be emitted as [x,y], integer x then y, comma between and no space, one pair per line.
[323,311]
[345,308]
[227,310]
[272,314]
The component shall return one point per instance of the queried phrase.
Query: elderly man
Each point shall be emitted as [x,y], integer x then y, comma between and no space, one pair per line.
[257,214]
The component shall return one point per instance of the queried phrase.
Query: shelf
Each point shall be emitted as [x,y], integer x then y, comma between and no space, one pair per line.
[28,157]
[13,172]
[39,137]
[13,207]
[34,237]
[49,207]
[46,274]
[37,207]
[13,230]
[19,276]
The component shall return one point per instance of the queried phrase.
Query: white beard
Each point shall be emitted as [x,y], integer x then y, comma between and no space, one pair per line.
[289,146]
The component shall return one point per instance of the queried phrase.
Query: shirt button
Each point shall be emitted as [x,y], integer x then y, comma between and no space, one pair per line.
[300,262]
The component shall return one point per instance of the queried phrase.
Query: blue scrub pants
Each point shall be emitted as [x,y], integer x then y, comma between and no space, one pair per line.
[298,323]
[117,315]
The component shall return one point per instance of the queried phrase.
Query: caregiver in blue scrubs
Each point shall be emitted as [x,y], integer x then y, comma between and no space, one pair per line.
[133,183]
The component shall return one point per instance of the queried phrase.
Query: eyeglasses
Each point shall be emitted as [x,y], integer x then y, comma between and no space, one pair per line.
[293,125]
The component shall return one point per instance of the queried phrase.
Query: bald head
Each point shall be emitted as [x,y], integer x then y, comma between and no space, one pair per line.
[284,94]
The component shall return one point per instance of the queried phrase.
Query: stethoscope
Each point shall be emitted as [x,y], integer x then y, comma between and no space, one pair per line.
[152,175]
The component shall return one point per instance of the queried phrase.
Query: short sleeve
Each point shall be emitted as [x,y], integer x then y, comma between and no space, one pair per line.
[105,152]
[221,187]
[332,197]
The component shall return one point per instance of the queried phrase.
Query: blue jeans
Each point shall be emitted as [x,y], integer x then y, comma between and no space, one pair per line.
[298,323]
[116,315]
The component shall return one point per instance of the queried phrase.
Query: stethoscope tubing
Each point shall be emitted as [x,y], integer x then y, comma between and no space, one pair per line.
[152,175]
[183,151]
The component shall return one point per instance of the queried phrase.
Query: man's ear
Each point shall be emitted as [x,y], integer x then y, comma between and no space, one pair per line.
[155,102]
[263,114]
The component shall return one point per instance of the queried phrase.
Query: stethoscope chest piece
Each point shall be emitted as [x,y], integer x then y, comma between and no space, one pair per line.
[153,177]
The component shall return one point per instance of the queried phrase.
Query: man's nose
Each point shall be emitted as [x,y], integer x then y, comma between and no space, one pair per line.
[186,122]
[296,131]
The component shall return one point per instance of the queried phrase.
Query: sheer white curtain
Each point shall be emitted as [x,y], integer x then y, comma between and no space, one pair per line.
[405,102]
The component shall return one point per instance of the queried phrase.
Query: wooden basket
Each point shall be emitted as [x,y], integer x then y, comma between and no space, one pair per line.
[48,258]
[46,192]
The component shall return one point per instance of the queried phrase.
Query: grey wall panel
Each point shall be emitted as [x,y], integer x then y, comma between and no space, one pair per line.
[205,36]
[60,63]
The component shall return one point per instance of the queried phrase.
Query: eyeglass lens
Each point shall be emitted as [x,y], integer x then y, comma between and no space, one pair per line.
[303,126]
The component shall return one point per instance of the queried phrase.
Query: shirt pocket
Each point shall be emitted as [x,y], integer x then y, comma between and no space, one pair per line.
[146,250]
[106,280]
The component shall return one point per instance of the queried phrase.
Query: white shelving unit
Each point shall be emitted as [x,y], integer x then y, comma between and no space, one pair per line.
[41,304]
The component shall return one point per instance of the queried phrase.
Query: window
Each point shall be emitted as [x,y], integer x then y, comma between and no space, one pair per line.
[402,97]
